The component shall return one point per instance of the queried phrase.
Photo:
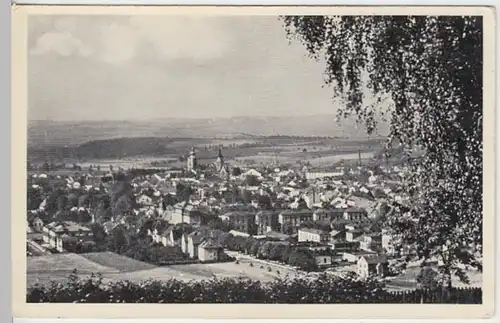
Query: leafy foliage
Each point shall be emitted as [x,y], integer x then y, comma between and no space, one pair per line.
[323,290]
[430,68]
[228,290]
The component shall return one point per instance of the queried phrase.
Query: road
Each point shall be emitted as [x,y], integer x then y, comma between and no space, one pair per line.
[36,249]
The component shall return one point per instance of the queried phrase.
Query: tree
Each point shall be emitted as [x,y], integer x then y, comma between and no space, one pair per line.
[72,200]
[117,240]
[98,233]
[246,196]
[302,259]
[254,249]
[84,200]
[429,68]
[252,180]
[236,171]
[428,278]
[288,228]
[277,251]
[265,250]
[265,202]
[122,206]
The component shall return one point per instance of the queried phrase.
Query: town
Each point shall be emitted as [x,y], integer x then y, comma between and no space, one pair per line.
[279,219]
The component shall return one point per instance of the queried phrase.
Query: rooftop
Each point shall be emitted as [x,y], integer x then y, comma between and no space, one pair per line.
[66,226]
[312,230]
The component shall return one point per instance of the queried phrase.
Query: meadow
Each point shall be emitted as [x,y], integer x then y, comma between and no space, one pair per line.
[114,267]
[171,152]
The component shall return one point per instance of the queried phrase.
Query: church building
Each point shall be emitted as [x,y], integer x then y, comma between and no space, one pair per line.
[192,160]
[221,167]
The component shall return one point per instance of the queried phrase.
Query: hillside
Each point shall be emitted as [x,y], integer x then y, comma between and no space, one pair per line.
[61,133]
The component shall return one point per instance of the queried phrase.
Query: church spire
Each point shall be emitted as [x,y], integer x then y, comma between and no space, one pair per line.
[220,153]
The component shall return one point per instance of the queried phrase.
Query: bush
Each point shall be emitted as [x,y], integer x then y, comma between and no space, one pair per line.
[325,289]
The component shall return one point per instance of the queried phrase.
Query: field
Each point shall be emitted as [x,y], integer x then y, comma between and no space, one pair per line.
[169,152]
[114,267]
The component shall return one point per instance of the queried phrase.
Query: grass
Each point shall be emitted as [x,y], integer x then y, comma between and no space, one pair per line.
[115,267]
[118,262]
[44,269]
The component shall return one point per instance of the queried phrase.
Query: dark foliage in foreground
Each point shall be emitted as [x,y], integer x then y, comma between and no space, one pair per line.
[425,74]
[323,290]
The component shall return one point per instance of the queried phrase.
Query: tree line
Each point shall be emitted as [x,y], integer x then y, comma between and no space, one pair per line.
[283,290]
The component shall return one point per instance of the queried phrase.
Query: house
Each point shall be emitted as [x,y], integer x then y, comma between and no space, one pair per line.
[109,226]
[273,235]
[355,214]
[158,231]
[187,213]
[173,237]
[353,234]
[191,242]
[342,245]
[294,218]
[312,175]
[164,238]
[312,197]
[236,233]
[55,232]
[144,200]
[371,241]
[210,250]
[241,221]
[37,224]
[353,256]
[328,214]
[387,242]
[323,259]
[267,221]
[372,265]
[315,235]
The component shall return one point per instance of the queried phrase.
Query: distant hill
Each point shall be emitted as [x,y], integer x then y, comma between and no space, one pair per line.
[61,133]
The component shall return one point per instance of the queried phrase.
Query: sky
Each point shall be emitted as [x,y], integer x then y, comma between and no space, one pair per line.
[145,67]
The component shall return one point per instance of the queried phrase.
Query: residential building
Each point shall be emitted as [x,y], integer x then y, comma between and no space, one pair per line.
[312,197]
[294,218]
[353,234]
[323,260]
[313,174]
[37,224]
[145,200]
[372,265]
[315,235]
[277,236]
[241,221]
[355,214]
[371,241]
[54,233]
[387,242]
[342,245]
[266,221]
[353,256]
[210,250]
[187,213]
[328,214]
[191,241]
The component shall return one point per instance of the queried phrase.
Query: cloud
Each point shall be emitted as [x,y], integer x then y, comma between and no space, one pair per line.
[118,40]
[61,43]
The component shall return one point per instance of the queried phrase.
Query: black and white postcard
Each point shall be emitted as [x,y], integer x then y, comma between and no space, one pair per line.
[339,159]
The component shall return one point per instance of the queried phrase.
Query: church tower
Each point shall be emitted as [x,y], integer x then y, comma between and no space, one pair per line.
[220,160]
[192,161]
